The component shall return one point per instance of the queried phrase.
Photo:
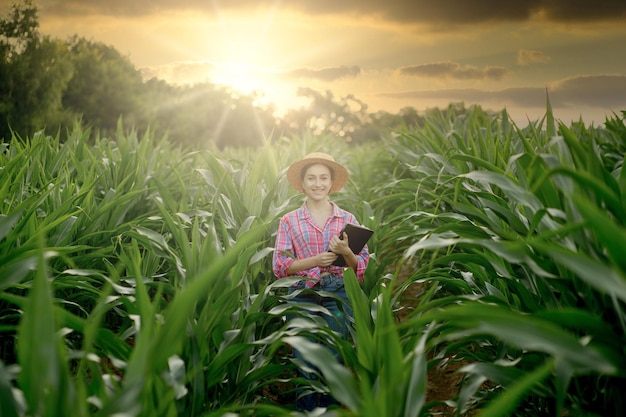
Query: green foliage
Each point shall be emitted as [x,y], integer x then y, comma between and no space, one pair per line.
[530,223]
[34,73]
[135,276]
[49,83]
[104,87]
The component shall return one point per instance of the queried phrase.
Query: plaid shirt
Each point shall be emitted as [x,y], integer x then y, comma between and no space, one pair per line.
[300,236]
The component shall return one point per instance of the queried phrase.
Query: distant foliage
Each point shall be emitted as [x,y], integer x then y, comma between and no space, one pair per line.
[34,73]
[49,84]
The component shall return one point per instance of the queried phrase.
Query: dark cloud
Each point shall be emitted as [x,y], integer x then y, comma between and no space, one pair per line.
[599,90]
[450,69]
[436,12]
[439,12]
[325,74]
[604,91]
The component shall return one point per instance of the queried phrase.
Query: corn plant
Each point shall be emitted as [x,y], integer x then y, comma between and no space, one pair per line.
[135,277]
[133,232]
[517,239]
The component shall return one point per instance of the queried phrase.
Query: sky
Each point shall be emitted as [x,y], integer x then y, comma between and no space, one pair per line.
[388,54]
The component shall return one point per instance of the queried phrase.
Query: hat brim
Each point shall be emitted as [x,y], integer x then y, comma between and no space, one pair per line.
[340,173]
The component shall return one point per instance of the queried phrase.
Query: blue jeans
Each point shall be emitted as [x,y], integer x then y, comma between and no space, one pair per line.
[338,322]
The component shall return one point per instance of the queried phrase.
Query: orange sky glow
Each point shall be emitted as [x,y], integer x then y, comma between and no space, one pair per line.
[390,55]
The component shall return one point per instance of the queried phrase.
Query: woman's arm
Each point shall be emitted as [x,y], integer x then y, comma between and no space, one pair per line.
[284,264]
[322,260]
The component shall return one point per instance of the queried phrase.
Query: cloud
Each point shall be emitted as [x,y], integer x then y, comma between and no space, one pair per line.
[404,11]
[325,74]
[526,97]
[599,90]
[450,69]
[527,57]
[478,11]
[191,72]
[182,72]
[603,91]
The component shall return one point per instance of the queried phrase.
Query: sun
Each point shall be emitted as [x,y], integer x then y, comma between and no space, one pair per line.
[264,83]
[244,78]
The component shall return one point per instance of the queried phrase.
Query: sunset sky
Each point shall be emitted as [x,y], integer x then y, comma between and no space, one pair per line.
[389,54]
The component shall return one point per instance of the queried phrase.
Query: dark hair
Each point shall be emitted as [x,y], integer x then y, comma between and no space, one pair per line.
[306,167]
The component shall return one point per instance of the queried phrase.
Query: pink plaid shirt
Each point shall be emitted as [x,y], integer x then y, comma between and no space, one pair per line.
[298,235]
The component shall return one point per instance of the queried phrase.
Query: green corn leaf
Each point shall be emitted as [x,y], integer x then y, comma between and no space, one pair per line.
[10,405]
[610,235]
[418,379]
[603,193]
[390,357]
[530,333]
[363,320]
[44,378]
[506,402]
[550,123]
[340,380]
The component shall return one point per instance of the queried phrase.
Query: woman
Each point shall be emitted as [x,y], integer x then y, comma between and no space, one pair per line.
[308,242]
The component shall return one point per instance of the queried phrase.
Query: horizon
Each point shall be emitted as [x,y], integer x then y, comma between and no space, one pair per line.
[418,54]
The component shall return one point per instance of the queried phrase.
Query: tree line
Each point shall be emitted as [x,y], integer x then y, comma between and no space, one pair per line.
[49,83]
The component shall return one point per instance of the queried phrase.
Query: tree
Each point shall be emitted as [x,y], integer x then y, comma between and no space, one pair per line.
[203,114]
[344,118]
[105,86]
[48,83]
[347,118]
[33,73]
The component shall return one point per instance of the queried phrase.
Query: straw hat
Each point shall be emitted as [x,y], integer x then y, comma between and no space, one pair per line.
[340,173]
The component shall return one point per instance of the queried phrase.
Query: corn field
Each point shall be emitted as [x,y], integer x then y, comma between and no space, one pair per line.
[136,279]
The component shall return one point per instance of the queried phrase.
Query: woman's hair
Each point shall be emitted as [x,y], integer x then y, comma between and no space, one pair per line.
[306,168]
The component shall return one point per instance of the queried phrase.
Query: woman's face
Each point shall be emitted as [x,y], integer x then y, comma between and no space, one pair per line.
[317,182]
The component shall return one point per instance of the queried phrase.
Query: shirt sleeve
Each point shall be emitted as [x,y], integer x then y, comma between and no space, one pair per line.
[362,257]
[284,246]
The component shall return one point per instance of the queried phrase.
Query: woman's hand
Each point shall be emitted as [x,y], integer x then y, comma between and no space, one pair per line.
[340,246]
[325,259]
